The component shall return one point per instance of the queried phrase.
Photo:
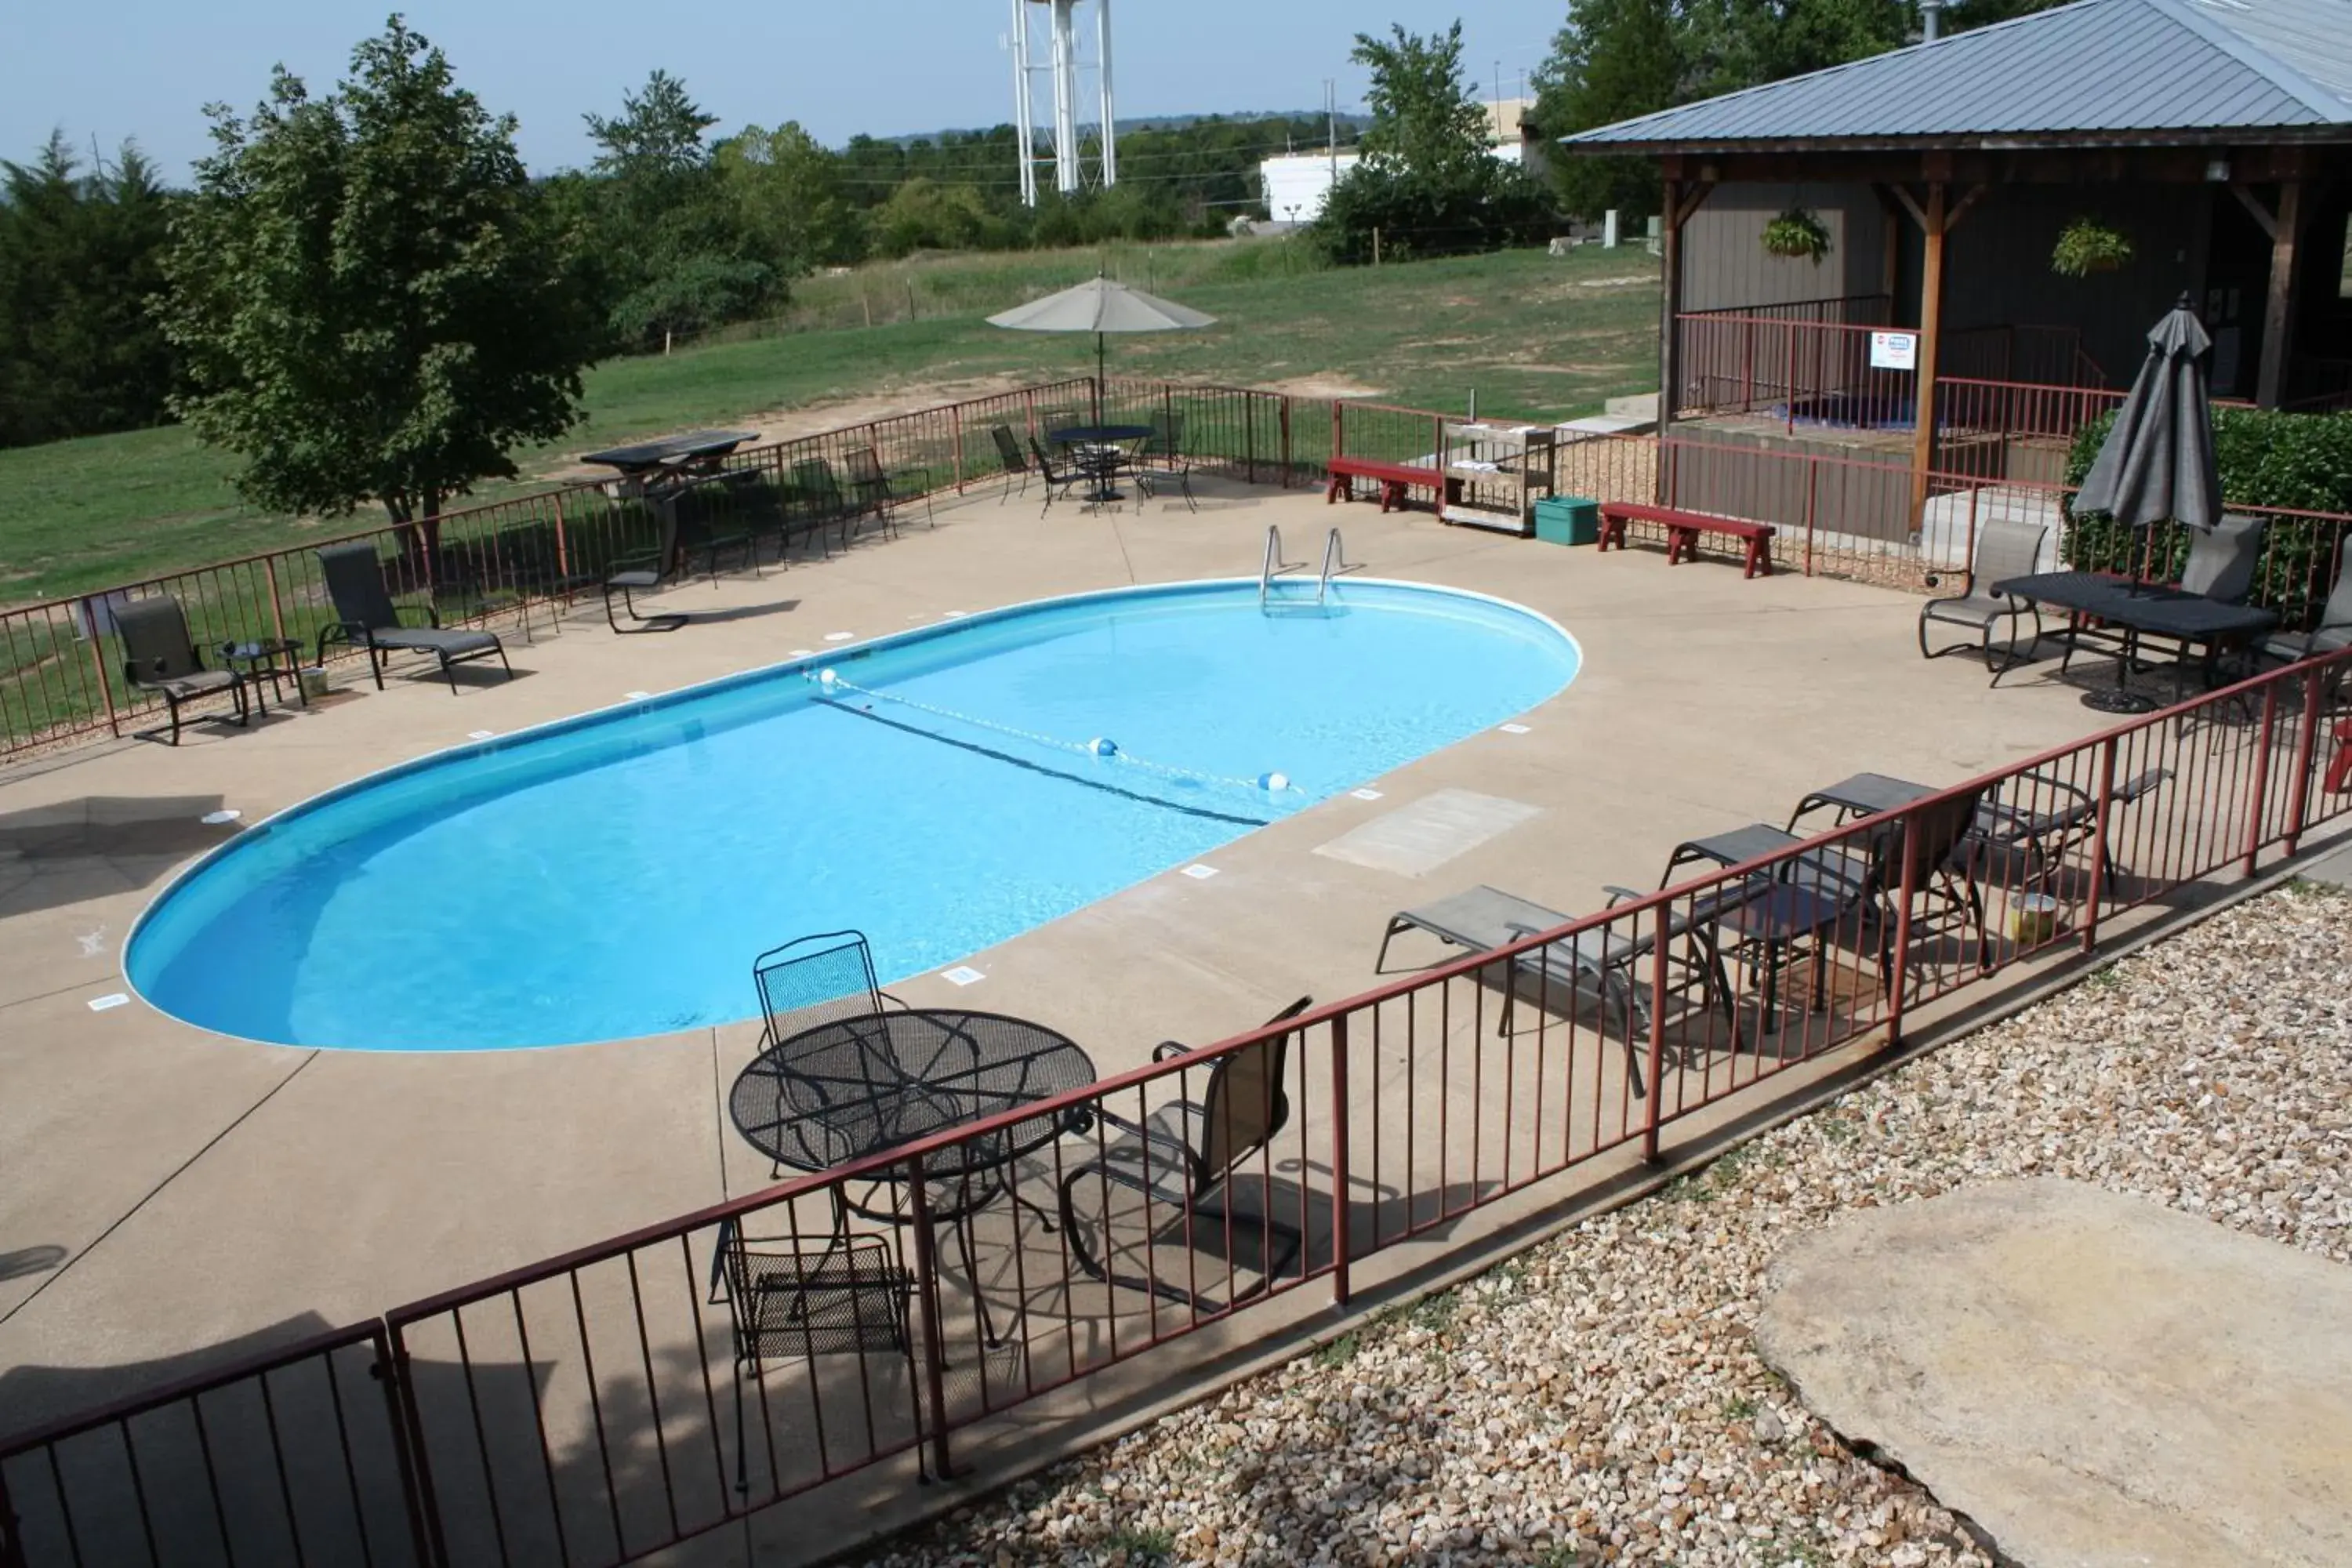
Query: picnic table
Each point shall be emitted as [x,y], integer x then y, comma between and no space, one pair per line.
[696,452]
[2137,612]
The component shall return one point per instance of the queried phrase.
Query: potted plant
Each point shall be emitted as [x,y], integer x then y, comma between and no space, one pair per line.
[2087,246]
[1795,233]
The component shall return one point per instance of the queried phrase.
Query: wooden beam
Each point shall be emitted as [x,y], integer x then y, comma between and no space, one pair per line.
[1670,305]
[2254,203]
[2278,305]
[1931,327]
[1952,219]
[1911,205]
[1699,193]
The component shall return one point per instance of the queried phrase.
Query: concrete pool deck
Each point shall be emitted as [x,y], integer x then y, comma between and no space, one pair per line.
[163,1191]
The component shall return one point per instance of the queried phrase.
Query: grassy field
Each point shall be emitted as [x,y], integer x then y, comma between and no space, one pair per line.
[1533,335]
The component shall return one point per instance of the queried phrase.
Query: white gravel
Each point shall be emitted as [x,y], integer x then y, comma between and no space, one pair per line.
[1599,1399]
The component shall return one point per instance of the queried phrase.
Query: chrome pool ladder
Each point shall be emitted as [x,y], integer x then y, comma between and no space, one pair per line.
[1334,561]
[1275,564]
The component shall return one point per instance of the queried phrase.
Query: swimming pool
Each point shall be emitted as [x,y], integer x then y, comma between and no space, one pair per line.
[613,874]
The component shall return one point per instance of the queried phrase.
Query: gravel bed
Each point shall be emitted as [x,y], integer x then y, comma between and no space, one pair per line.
[1600,1399]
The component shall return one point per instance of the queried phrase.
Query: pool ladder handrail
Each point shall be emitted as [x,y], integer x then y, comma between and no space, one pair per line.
[1275,564]
[1334,561]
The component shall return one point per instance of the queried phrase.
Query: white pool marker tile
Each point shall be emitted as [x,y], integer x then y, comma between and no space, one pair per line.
[634,696]
[481,734]
[801,653]
[961,974]
[1515,728]
[102,1004]
[225,815]
[1200,873]
[953,614]
[1365,793]
[841,637]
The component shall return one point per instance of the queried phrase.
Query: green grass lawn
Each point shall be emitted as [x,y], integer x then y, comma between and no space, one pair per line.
[1533,335]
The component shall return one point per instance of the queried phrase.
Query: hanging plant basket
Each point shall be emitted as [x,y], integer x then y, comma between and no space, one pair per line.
[1797,234]
[2088,247]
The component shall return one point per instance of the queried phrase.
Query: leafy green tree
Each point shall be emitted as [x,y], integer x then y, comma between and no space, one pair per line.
[368,299]
[79,252]
[1427,183]
[658,135]
[1614,59]
[784,191]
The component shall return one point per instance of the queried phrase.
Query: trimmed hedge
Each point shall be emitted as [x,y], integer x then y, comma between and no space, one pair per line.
[2267,458]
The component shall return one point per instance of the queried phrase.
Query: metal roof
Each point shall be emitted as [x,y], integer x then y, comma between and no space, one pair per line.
[2096,68]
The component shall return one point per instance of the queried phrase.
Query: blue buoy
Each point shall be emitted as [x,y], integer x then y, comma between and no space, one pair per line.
[1102,748]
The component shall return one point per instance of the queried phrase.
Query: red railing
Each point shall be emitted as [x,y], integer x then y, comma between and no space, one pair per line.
[599,1406]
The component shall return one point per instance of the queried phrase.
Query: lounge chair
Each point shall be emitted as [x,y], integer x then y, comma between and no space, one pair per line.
[2334,632]
[1599,962]
[2005,551]
[1186,1152]
[1016,461]
[789,1302]
[367,618]
[2063,815]
[159,655]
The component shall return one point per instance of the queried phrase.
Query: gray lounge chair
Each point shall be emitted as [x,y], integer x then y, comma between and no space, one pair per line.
[2005,550]
[2334,632]
[1183,1155]
[367,618]
[1597,962]
[2067,814]
[159,655]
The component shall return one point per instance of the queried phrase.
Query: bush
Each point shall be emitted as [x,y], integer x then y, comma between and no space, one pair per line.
[1481,206]
[2299,461]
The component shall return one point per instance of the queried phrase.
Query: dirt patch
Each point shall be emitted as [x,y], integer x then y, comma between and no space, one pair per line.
[832,413]
[1322,387]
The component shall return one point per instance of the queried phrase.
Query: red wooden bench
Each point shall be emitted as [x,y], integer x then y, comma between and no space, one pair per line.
[1394,478]
[1683,530]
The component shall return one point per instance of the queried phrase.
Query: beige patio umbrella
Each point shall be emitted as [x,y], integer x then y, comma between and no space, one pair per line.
[1101,306]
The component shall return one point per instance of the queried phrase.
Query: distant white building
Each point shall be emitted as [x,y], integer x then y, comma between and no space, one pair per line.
[1297,183]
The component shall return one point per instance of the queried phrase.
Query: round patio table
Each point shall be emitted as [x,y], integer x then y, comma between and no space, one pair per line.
[1103,435]
[858,1086]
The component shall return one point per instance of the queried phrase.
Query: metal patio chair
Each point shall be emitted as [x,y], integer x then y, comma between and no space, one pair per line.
[367,618]
[1059,481]
[2223,559]
[2005,551]
[1016,461]
[869,482]
[646,571]
[787,1300]
[821,500]
[2334,632]
[1184,1153]
[159,655]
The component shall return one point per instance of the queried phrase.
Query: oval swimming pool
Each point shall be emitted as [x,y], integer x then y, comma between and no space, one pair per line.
[941,790]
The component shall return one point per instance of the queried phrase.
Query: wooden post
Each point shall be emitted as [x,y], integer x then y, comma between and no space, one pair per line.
[1931,327]
[2278,304]
[1670,305]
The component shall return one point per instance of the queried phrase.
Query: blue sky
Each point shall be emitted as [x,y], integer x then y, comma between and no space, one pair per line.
[883,67]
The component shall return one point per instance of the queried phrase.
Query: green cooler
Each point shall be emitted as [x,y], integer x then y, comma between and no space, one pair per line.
[1568,520]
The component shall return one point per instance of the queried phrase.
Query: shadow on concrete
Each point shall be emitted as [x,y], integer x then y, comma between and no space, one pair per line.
[53,855]
[28,1260]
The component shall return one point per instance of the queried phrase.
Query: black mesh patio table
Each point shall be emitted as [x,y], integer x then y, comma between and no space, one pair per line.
[858,1086]
[2189,620]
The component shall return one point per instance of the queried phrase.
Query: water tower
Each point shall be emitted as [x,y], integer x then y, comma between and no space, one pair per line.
[1062,63]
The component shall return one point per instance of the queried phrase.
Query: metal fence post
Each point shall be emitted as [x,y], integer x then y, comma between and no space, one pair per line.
[2259,803]
[1813,496]
[563,549]
[959,452]
[276,605]
[2306,745]
[927,1299]
[1249,436]
[1900,980]
[1340,1185]
[98,663]
[1281,412]
[408,1446]
[2098,893]
[1660,917]
[1338,428]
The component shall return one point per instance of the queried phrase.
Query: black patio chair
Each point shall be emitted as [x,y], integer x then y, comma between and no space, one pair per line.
[2005,551]
[1165,448]
[367,618]
[786,1300]
[824,502]
[159,655]
[1186,1152]
[815,980]
[2223,559]
[870,484]
[636,571]
[1059,481]
[1016,461]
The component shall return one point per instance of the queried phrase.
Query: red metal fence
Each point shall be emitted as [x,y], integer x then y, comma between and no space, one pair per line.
[598,1406]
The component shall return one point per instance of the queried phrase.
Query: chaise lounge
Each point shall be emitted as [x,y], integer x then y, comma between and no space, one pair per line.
[367,618]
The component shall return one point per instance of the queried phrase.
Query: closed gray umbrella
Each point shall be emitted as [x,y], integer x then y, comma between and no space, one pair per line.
[1099,306]
[2157,464]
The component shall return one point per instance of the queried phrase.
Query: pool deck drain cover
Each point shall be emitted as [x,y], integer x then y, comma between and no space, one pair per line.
[1417,839]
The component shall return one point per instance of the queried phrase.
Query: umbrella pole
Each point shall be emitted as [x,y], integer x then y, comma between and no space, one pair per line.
[1098,378]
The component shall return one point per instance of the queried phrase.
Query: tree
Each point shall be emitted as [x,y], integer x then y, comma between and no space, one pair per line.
[784,191]
[657,136]
[1613,60]
[369,302]
[80,251]
[1427,182]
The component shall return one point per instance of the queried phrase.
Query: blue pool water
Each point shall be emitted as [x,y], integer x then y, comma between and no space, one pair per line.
[613,876]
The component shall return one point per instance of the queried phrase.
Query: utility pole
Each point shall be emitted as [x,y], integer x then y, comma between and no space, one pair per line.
[1331,123]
